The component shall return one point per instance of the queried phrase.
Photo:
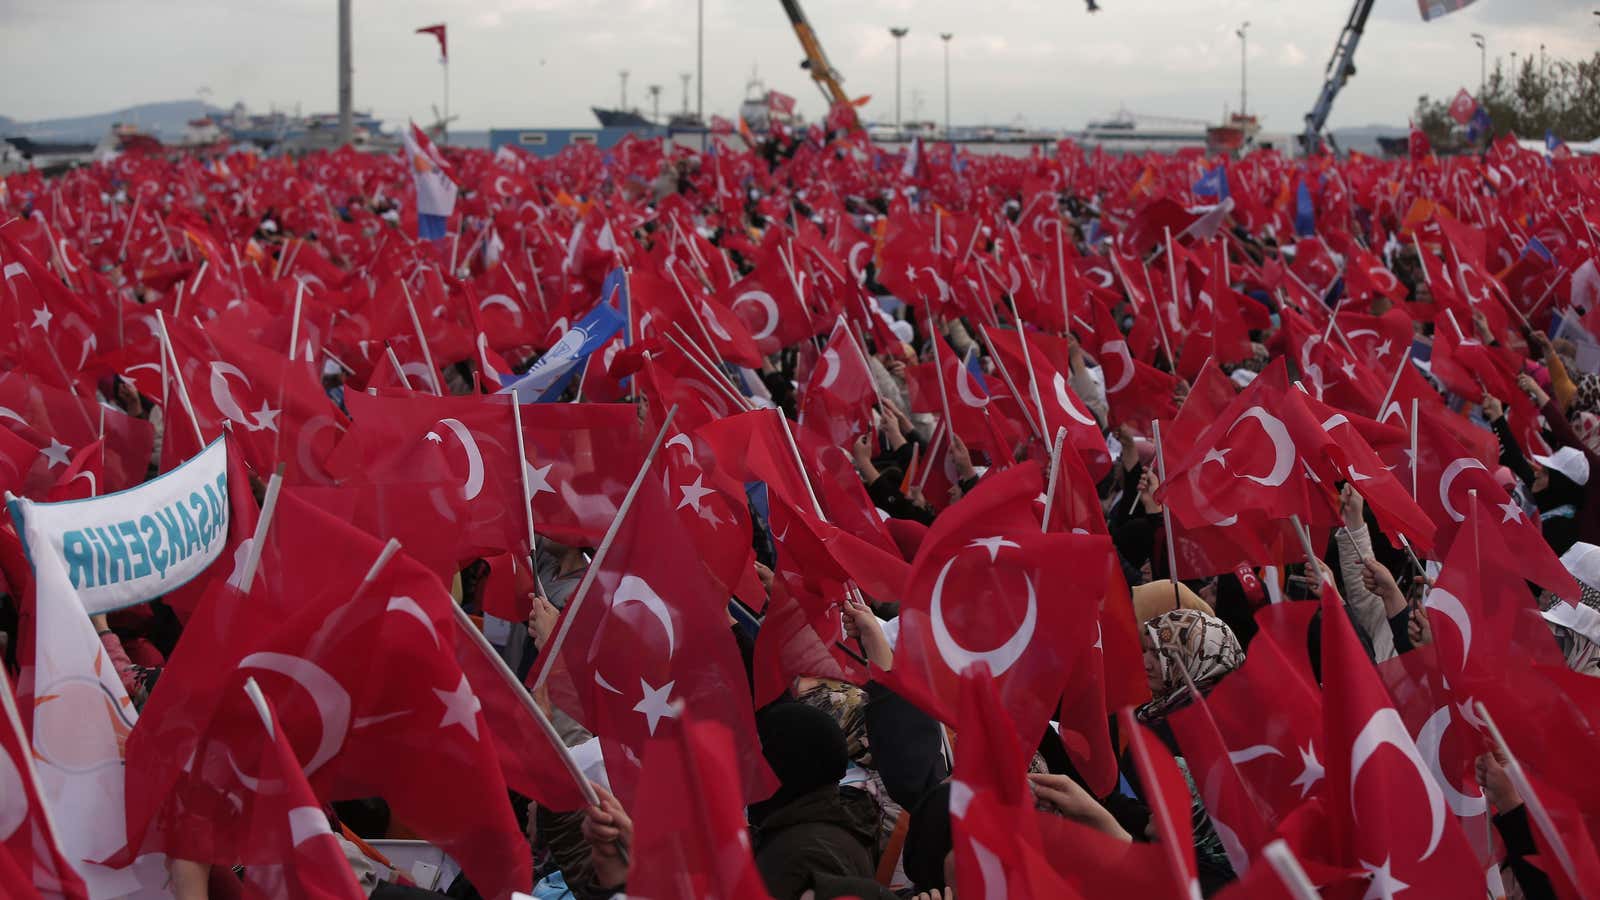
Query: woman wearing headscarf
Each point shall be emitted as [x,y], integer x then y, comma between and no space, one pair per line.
[1563,489]
[1184,647]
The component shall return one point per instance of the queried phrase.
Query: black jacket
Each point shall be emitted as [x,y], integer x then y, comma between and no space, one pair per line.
[829,831]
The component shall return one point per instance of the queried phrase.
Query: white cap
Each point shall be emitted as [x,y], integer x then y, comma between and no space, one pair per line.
[1583,561]
[1569,461]
[903,331]
[1242,377]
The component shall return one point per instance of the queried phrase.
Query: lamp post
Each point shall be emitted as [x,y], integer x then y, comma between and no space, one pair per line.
[1244,57]
[655,102]
[899,32]
[946,36]
[1483,64]
[622,103]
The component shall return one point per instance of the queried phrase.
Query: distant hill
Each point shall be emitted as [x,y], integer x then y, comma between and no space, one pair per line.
[165,120]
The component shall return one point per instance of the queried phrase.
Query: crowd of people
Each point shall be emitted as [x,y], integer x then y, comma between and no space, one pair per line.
[1052,525]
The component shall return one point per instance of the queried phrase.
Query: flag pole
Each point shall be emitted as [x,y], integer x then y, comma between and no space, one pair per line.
[394,362]
[1027,360]
[294,323]
[269,506]
[1393,383]
[936,338]
[552,648]
[464,622]
[177,375]
[1415,462]
[1005,375]
[1288,869]
[720,382]
[427,354]
[527,497]
[794,451]
[1536,808]
[1050,479]
[1166,515]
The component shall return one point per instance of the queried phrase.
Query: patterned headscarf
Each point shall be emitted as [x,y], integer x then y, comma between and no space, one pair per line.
[1587,397]
[1185,640]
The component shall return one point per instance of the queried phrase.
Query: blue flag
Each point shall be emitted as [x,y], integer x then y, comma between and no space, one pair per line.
[1213,184]
[1479,124]
[1305,214]
[548,377]
[1537,246]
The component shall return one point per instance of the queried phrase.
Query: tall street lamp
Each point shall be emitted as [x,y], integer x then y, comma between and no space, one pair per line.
[899,32]
[1244,56]
[1483,64]
[946,36]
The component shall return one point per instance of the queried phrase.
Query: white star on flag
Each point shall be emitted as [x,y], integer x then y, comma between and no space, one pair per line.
[266,417]
[1384,885]
[1313,770]
[538,479]
[460,707]
[1513,512]
[993,545]
[56,453]
[42,317]
[656,704]
[694,493]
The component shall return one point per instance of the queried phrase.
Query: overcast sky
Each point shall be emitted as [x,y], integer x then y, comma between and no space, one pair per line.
[545,62]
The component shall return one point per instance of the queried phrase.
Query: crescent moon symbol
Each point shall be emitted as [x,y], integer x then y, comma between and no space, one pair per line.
[1015,279]
[1119,349]
[1383,277]
[830,368]
[1255,751]
[222,395]
[1449,606]
[1282,443]
[501,190]
[1385,727]
[857,269]
[957,657]
[1448,478]
[768,305]
[502,300]
[636,590]
[1071,409]
[1428,741]
[682,440]
[474,483]
[308,465]
[964,387]
[329,696]
[7,412]
[712,323]
[420,372]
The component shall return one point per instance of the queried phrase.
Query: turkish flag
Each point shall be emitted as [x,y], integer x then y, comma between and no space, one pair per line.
[752,446]
[1166,792]
[1393,824]
[647,638]
[765,302]
[712,508]
[292,851]
[1047,393]
[59,423]
[975,596]
[994,829]
[840,395]
[690,840]
[357,658]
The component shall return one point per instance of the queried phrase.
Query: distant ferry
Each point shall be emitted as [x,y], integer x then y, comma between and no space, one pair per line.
[1127,132]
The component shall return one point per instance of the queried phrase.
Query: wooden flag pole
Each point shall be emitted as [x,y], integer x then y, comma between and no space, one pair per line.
[1536,808]
[1050,479]
[531,706]
[552,648]
[258,540]
[527,495]
[394,362]
[427,354]
[1166,515]
[1005,375]
[1288,869]
[294,323]
[177,376]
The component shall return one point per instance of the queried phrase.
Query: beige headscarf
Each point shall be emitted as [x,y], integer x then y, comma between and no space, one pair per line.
[1185,640]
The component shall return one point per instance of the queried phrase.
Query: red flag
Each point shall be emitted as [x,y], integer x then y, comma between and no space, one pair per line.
[1047,393]
[647,638]
[690,840]
[1167,794]
[1393,824]
[974,596]
[437,31]
[1462,107]
[291,848]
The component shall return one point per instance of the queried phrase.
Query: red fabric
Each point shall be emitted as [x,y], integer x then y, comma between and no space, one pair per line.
[32,863]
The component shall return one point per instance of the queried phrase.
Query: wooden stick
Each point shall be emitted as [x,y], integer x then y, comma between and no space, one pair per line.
[527,496]
[269,505]
[1288,869]
[552,649]
[294,324]
[427,354]
[1166,515]
[529,705]
[794,450]
[177,375]
[1036,428]
[1536,808]
[1050,479]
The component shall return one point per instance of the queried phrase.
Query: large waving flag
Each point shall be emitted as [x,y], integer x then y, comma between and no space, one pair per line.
[547,378]
[436,192]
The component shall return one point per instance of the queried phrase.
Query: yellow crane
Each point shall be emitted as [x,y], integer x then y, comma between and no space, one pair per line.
[816,62]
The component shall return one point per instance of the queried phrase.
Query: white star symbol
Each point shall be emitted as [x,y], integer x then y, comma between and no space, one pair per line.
[656,704]
[1217,456]
[538,479]
[1356,476]
[1384,885]
[993,545]
[1313,770]
[1349,370]
[1043,499]
[460,707]
[434,437]
[911,273]
[56,453]
[42,317]
[1513,512]
[694,493]
[710,515]
[1384,349]
[266,418]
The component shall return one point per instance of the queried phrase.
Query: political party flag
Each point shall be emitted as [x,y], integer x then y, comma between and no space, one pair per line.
[546,379]
[430,173]
[30,850]
[81,717]
[1214,184]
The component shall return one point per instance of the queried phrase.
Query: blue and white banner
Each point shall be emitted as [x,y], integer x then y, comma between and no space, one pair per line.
[133,546]
[549,376]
